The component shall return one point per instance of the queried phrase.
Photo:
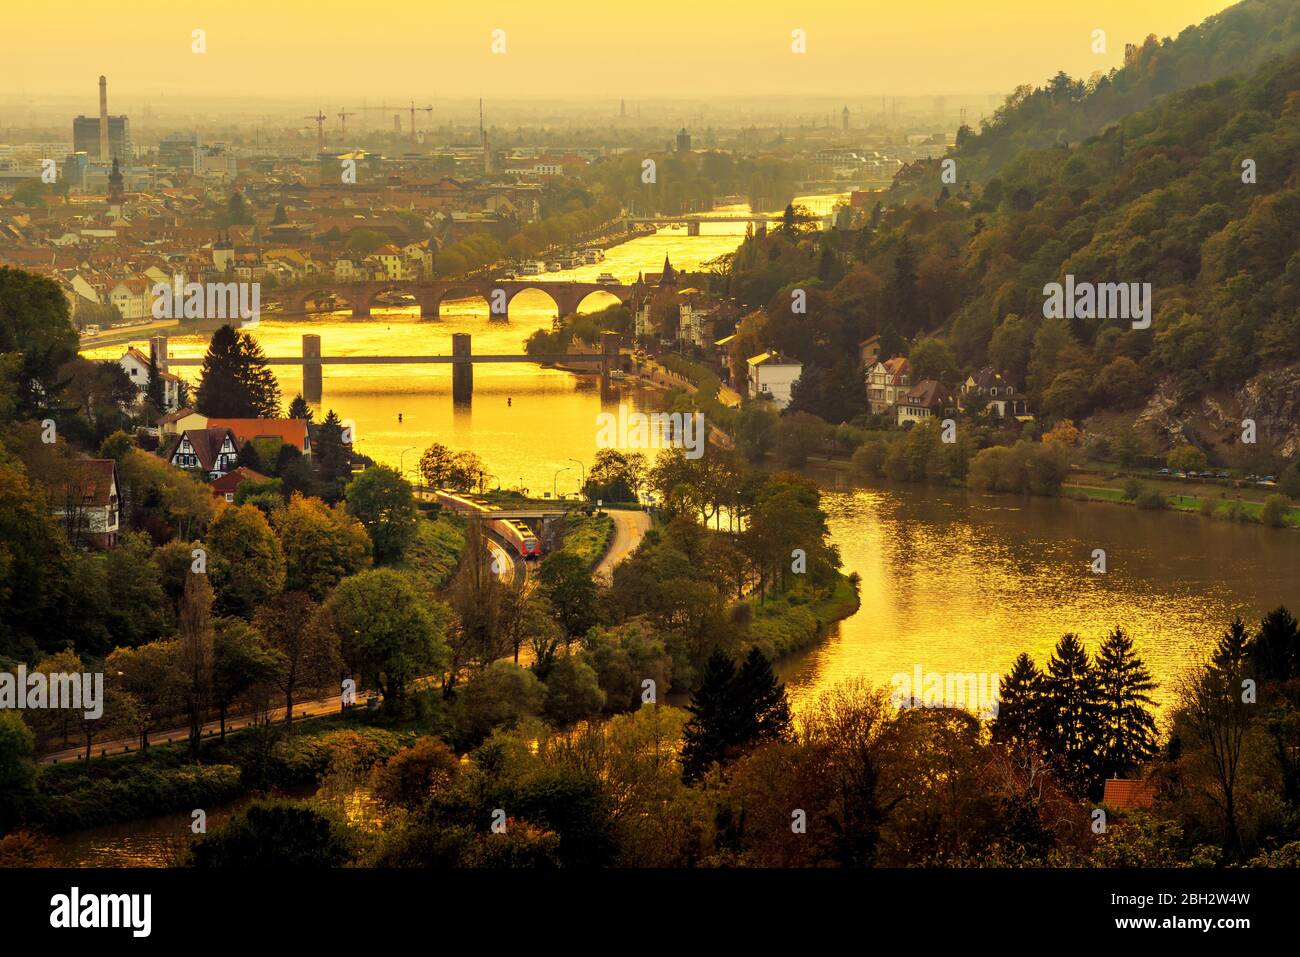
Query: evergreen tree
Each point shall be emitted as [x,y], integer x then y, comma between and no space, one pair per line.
[763,713]
[330,456]
[153,391]
[1275,652]
[1129,735]
[250,458]
[902,287]
[712,724]
[235,382]
[299,409]
[1071,729]
[1020,706]
[731,710]
[1234,648]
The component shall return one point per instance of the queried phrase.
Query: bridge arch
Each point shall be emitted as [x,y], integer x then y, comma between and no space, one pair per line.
[370,297]
[431,305]
[317,298]
[605,300]
[546,289]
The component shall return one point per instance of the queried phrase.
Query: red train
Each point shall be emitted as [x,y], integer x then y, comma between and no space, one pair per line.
[516,534]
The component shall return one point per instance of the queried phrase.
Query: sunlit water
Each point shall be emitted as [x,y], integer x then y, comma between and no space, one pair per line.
[962,583]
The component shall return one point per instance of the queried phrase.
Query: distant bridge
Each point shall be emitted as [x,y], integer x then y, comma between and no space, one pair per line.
[429,294]
[692,221]
[461,358]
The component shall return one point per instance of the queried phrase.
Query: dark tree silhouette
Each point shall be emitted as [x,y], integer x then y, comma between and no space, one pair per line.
[236,382]
[1129,735]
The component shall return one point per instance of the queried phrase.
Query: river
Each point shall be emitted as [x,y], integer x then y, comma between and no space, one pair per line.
[956,582]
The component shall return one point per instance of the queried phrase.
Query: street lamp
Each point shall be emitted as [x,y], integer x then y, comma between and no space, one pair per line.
[555,479]
[582,489]
[401,468]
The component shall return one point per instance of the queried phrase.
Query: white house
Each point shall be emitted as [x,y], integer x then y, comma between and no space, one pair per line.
[212,450]
[136,365]
[928,399]
[772,376]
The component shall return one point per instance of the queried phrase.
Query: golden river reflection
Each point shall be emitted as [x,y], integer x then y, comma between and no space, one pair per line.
[957,582]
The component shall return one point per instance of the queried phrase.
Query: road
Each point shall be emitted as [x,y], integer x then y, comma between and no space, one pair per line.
[629,528]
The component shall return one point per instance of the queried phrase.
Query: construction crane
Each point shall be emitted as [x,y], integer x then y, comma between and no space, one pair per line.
[320,130]
[413,110]
[343,123]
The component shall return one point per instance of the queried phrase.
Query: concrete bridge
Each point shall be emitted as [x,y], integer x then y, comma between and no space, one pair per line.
[461,358]
[429,294]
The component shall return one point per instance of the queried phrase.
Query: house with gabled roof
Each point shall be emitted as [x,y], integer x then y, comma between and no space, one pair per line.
[887,382]
[212,451]
[926,400]
[86,502]
[224,487]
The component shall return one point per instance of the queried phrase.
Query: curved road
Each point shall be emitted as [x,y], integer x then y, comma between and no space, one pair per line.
[629,528]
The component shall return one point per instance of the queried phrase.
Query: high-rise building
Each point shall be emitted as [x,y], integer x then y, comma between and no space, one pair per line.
[845,115]
[85,138]
[103,137]
[683,141]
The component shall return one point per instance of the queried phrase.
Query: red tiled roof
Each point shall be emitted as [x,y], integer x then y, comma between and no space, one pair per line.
[1128,794]
[232,480]
[289,431]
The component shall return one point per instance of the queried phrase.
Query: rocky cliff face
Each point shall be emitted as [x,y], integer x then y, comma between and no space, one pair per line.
[1271,398]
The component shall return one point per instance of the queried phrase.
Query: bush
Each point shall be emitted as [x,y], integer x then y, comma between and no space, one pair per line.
[275,835]
[1152,500]
[1236,511]
[1275,511]
[1132,490]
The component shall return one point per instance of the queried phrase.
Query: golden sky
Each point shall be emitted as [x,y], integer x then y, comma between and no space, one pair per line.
[604,48]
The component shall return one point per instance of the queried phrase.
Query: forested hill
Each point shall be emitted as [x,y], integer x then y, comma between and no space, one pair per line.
[1069,110]
[1160,198]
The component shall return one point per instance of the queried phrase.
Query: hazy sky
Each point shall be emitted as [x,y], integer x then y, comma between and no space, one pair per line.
[333,49]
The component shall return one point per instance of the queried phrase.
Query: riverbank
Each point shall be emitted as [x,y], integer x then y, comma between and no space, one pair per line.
[790,622]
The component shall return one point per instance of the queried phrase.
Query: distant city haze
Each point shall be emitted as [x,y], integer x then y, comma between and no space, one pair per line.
[581,48]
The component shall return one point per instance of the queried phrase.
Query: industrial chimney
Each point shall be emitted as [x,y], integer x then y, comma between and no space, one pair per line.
[103,118]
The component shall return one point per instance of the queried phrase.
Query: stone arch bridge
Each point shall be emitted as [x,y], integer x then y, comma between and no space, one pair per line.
[429,294]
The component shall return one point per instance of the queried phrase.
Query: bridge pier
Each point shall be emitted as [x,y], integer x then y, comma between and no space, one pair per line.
[693,227]
[311,371]
[462,373]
